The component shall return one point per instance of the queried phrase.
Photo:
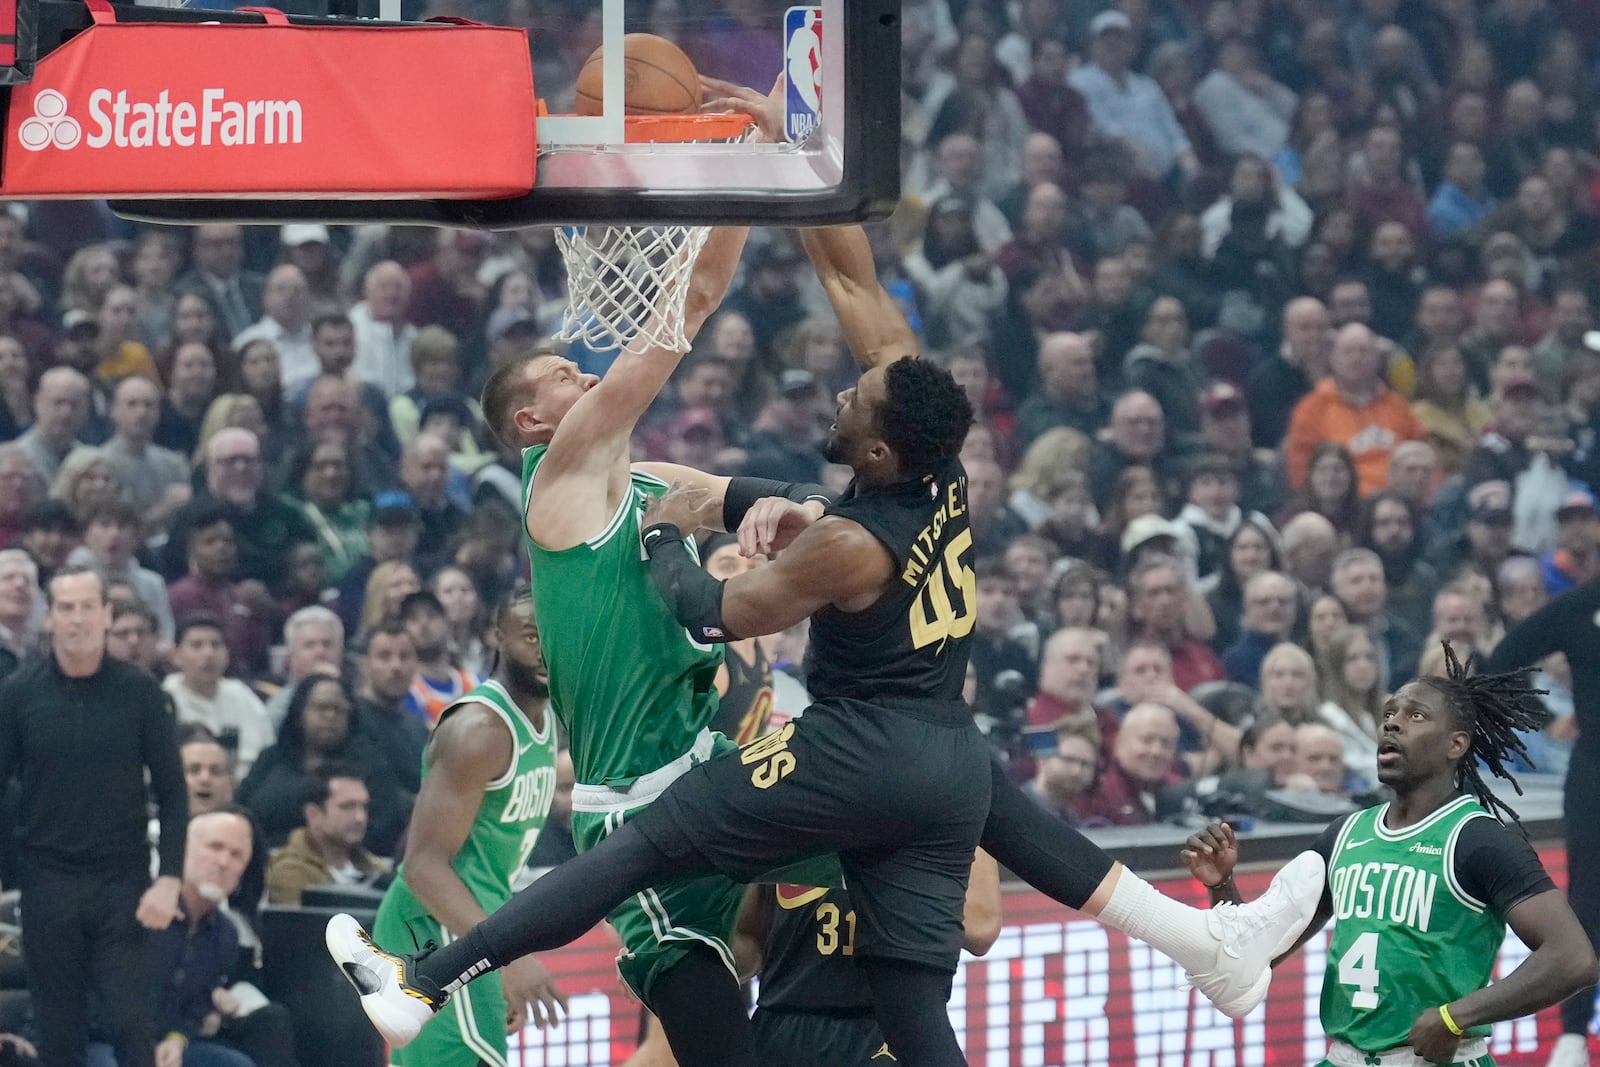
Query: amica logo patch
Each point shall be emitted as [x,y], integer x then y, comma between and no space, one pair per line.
[50,124]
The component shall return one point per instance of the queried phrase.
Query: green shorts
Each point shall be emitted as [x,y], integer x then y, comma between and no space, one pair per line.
[659,926]
[472,1027]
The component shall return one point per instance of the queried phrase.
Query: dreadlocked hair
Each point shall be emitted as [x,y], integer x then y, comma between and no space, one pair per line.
[1492,708]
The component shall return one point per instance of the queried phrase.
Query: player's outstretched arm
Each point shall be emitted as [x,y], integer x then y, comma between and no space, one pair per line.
[981,918]
[1561,964]
[873,324]
[598,427]
[835,561]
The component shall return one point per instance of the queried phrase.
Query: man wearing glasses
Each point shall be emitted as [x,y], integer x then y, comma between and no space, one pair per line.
[266,527]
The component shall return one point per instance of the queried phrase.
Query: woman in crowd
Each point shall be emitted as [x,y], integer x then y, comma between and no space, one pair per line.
[156,258]
[88,277]
[320,730]
[1289,684]
[1451,413]
[1326,618]
[816,345]
[261,376]
[468,620]
[86,480]
[321,483]
[194,321]
[191,386]
[1137,493]
[1331,488]
[1075,595]
[1251,550]
[1352,699]
[390,583]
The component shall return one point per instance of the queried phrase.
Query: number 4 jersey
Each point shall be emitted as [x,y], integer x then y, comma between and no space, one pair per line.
[911,645]
[1419,915]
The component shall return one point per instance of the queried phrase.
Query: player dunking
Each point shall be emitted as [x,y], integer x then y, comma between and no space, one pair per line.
[919,409]
[488,777]
[1422,888]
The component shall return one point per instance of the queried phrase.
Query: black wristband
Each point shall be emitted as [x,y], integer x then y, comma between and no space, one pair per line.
[662,533]
[742,494]
[693,595]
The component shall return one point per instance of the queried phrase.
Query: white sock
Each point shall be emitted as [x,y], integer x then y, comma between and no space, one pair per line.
[1139,910]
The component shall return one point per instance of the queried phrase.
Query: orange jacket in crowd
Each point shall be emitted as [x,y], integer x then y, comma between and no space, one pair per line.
[1370,432]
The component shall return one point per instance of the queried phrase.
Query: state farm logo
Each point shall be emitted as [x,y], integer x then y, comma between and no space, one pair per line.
[162,122]
[50,125]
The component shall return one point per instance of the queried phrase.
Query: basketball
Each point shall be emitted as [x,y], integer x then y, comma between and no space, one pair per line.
[660,79]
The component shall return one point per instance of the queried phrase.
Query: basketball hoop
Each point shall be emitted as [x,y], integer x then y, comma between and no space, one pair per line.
[627,285]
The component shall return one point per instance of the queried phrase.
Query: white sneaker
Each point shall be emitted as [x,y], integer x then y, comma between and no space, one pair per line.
[1250,936]
[1572,1050]
[397,1008]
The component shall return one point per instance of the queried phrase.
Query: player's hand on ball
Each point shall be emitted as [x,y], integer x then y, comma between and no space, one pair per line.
[1212,854]
[1431,1039]
[773,523]
[688,507]
[766,110]
[532,996]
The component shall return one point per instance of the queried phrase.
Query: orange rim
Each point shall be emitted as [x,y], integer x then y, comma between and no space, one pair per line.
[647,129]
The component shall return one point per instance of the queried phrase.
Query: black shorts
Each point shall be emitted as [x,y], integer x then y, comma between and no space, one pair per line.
[804,1039]
[900,794]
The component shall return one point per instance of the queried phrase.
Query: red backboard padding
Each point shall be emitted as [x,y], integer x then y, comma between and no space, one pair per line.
[206,111]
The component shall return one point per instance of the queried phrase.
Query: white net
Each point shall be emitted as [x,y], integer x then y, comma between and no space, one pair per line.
[627,285]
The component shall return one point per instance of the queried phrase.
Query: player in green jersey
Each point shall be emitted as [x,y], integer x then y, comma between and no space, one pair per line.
[1421,889]
[488,777]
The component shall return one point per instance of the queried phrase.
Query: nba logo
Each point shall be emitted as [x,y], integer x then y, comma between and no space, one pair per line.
[802,66]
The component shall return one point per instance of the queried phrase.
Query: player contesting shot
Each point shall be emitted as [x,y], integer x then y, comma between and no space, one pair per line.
[886,767]
[488,777]
[1421,889]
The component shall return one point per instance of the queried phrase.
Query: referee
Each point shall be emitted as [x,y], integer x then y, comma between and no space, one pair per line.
[82,730]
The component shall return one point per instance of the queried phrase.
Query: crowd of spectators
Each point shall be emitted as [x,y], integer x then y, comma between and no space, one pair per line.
[1278,317]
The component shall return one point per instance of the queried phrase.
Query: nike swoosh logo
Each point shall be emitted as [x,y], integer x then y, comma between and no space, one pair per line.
[1358,844]
[525,749]
[791,897]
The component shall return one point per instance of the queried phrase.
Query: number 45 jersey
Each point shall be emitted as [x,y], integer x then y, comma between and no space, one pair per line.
[1418,916]
[911,645]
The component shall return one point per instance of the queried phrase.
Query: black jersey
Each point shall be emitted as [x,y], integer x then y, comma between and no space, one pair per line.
[746,708]
[808,963]
[912,644]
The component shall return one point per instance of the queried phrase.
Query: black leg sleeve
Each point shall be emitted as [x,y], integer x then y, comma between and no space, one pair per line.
[559,907]
[909,1001]
[703,1012]
[1039,848]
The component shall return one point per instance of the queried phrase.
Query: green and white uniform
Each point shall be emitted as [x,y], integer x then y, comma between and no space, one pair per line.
[636,696]
[472,1026]
[1407,936]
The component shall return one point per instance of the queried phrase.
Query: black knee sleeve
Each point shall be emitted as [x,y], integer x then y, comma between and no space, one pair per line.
[702,1010]
[1039,848]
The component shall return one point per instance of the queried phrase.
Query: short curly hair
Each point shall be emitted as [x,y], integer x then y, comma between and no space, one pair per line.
[925,415]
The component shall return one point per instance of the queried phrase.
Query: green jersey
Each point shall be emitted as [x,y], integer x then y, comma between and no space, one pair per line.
[514,806]
[631,687]
[1406,936]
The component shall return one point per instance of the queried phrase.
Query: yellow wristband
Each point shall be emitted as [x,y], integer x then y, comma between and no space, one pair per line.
[1449,1023]
[181,1036]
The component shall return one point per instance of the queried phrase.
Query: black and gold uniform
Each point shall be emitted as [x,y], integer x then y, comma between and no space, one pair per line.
[886,768]
[815,1008]
[746,708]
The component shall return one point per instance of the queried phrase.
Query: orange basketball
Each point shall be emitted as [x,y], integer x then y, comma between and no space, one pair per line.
[659,78]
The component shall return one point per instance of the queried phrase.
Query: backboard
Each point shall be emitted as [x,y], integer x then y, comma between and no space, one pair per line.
[840,164]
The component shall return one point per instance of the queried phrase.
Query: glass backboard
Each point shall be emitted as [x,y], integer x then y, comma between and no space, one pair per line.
[840,162]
